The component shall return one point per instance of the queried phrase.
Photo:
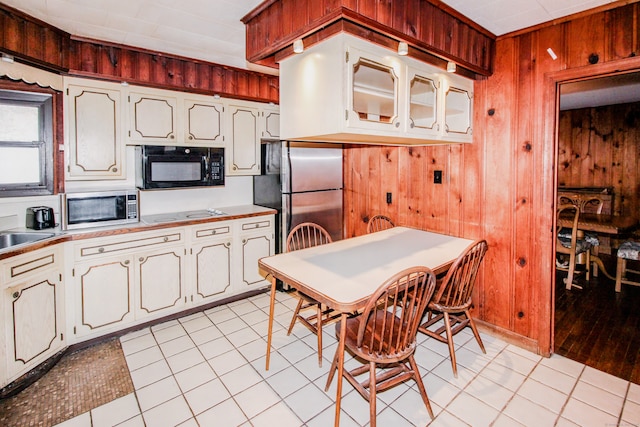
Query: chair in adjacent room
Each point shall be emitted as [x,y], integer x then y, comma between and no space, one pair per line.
[379,223]
[628,251]
[383,337]
[448,312]
[569,246]
[307,235]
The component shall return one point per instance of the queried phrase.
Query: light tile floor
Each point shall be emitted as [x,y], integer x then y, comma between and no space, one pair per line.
[207,369]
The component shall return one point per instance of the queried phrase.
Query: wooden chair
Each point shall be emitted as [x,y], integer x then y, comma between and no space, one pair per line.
[591,203]
[307,235]
[384,336]
[569,245]
[453,299]
[628,251]
[379,223]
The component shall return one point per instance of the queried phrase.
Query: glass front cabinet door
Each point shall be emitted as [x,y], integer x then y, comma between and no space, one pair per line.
[423,103]
[458,110]
[372,91]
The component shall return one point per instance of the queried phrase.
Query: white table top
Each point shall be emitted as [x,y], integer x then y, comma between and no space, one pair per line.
[345,273]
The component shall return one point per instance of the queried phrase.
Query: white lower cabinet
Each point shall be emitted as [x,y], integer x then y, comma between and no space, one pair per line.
[211,265]
[33,307]
[159,282]
[122,280]
[103,294]
[257,241]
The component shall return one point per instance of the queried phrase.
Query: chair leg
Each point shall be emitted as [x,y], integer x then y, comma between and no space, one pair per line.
[372,394]
[452,352]
[295,316]
[475,331]
[620,272]
[332,370]
[588,265]
[423,391]
[319,332]
[572,266]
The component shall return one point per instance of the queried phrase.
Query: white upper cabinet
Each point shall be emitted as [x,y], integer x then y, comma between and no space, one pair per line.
[271,122]
[372,95]
[93,122]
[345,89]
[245,131]
[203,121]
[153,117]
[423,93]
[162,117]
[458,109]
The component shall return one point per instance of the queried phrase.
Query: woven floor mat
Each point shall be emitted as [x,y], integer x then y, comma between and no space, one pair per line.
[79,382]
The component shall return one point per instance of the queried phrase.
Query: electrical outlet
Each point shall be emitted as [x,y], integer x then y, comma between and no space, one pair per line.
[437,177]
[388,198]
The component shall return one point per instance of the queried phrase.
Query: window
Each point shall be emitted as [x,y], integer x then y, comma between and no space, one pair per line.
[26,143]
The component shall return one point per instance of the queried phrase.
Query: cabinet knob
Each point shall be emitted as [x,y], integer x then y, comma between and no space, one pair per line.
[166,239]
[171,136]
[190,137]
[397,124]
[235,168]
[227,244]
[16,294]
[141,259]
[100,250]
[411,125]
[244,240]
[126,262]
[114,170]
[213,232]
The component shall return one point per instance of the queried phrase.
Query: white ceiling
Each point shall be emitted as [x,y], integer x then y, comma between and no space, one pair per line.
[211,30]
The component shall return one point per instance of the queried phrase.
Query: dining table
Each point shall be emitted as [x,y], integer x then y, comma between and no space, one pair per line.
[613,225]
[343,275]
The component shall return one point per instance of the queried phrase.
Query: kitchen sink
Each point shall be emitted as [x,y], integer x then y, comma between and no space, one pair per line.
[9,239]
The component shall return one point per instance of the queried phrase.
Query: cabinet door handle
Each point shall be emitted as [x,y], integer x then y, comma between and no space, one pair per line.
[166,239]
[141,259]
[397,124]
[244,240]
[126,262]
[100,250]
[227,244]
[171,136]
[190,137]
[114,170]
[16,294]
[213,232]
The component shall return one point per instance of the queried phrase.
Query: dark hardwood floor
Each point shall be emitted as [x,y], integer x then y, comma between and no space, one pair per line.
[599,327]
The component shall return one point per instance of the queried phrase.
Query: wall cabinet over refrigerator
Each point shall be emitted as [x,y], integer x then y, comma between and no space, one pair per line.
[94,118]
[346,89]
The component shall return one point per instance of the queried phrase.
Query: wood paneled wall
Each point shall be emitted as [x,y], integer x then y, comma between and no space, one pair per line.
[501,187]
[38,43]
[600,147]
[427,25]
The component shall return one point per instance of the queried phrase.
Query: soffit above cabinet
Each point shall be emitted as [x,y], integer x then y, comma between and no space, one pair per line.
[435,33]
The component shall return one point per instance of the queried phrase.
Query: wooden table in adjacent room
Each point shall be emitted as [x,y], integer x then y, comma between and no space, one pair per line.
[343,275]
[613,225]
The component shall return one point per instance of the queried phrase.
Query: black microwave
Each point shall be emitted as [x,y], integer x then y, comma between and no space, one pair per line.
[161,167]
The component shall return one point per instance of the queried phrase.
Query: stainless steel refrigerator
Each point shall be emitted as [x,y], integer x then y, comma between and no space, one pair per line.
[303,182]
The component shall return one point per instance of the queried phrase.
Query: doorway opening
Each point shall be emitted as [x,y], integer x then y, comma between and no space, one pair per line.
[598,149]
